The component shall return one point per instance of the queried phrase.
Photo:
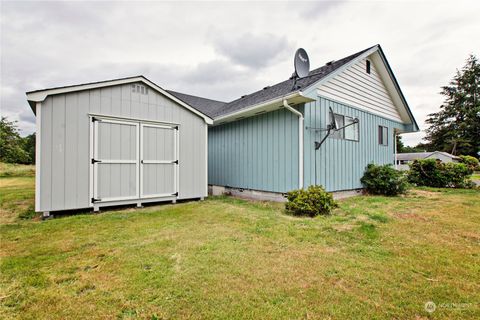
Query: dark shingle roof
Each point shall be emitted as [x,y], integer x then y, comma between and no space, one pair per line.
[204,105]
[285,87]
[214,109]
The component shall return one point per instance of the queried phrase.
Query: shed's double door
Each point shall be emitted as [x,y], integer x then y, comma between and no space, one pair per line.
[133,160]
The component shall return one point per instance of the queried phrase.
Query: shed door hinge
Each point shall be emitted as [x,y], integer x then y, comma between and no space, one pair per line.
[176,127]
[95,200]
[176,161]
[95,161]
[175,194]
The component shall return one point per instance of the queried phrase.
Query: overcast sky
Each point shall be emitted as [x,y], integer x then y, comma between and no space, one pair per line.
[225,50]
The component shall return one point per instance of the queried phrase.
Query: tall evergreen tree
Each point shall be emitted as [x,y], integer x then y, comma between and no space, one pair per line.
[456,127]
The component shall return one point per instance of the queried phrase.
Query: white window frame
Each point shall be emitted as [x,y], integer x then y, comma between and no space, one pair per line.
[342,131]
[383,136]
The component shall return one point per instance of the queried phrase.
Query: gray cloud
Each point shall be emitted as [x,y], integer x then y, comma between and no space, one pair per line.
[250,50]
[316,8]
[223,51]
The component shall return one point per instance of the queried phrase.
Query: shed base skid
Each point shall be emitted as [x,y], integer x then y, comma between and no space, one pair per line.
[105,205]
[270,196]
[137,202]
[46,215]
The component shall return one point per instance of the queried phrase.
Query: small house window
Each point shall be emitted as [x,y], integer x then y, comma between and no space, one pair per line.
[349,129]
[368,67]
[383,135]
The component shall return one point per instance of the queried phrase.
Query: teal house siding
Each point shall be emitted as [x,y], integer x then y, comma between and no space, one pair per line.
[259,152]
[255,151]
[340,163]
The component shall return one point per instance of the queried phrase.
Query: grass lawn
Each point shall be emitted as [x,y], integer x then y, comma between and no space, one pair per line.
[375,258]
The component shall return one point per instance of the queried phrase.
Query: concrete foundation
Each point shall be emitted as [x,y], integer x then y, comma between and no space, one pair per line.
[269,196]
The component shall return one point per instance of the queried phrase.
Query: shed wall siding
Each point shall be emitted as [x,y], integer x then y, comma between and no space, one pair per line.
[341,163]
[354,86]
[259,152]
[65,141]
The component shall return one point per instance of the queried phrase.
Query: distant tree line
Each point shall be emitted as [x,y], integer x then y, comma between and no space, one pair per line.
[13,147]
[456,127]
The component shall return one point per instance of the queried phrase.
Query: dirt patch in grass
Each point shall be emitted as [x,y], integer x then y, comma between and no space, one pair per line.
[17,199]
[423,193]
[413,216]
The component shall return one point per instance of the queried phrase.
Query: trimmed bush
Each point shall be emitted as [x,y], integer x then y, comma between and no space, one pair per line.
[471,162]
[384,180]
[434,173]
[312,202]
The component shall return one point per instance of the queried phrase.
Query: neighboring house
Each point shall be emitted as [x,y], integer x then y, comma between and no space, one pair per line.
[403,159]
[130,141]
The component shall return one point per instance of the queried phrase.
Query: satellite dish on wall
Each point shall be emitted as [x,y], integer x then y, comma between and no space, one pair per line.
[333,122]
[301,63]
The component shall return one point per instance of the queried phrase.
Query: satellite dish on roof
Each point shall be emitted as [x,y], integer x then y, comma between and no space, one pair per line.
[301,63]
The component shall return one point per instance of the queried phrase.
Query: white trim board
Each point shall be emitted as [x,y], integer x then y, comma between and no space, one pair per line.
[38,150]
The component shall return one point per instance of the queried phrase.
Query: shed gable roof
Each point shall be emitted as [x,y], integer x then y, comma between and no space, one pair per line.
[40,95]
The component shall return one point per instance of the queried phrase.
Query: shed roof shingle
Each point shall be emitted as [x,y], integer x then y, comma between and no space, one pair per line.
[204,105]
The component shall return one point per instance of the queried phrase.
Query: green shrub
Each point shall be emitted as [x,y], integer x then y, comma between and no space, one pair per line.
[384,180]
[434,173]
[311,202]
[471,162]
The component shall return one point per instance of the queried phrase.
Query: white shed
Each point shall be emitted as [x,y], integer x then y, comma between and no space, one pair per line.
[124,141]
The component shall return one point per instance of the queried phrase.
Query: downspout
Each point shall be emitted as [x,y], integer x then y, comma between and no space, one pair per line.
[395,148]
[300,141]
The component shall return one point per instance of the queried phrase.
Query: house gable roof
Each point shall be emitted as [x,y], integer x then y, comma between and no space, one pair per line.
[271,95]
[40,95]
[422,155]
[285,87]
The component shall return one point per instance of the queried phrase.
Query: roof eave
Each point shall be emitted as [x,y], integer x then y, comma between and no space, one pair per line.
[415,126]
[293,98]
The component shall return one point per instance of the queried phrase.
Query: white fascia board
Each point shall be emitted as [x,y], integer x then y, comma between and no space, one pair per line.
[269,105]
[40,96]
[207,119]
